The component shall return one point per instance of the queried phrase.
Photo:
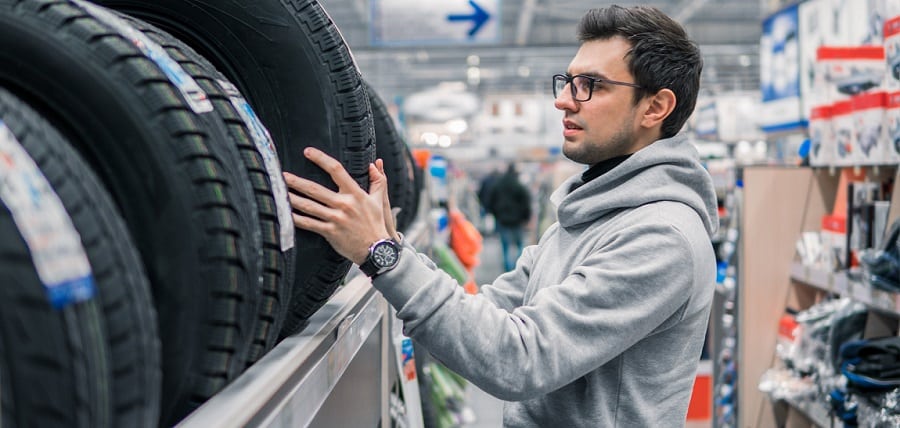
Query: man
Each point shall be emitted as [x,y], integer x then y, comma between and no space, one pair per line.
[510,204]
[601,323]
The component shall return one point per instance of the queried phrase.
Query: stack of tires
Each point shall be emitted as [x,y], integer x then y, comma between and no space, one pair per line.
[147,251]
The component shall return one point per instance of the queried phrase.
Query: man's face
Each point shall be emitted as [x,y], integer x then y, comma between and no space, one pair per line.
[604,126]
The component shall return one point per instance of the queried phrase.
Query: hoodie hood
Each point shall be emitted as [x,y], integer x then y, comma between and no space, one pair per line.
[666,170]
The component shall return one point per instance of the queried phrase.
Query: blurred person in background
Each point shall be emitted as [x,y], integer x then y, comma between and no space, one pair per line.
[509,201]
[601,323]
[486,224]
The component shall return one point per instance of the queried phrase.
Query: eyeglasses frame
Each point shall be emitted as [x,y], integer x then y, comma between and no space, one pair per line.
[593,81]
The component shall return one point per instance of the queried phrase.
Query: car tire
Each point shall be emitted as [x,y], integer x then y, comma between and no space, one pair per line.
[176,184]
[93,363]
[391,148]
[264,174]
[291,62]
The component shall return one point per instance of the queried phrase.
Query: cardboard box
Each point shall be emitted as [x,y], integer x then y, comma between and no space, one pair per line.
[844,133]
[821,136]
[892,52]
[868,117]
[892,127]
[845,71]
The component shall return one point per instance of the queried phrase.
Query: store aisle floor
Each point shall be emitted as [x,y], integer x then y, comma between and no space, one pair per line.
[487,409]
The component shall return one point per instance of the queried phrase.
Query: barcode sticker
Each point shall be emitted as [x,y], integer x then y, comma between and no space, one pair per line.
[55,245]
[266,147]
[192,92]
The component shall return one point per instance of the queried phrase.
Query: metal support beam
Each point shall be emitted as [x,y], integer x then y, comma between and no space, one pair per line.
[362,8]
[526,17]
[687,9]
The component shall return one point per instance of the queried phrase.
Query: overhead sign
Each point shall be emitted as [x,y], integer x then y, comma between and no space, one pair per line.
[422,22]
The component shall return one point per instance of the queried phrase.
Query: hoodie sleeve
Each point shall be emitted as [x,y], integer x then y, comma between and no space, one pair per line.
[627,288]
[508,290]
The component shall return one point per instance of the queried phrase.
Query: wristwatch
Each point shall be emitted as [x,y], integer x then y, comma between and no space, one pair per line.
[384,255]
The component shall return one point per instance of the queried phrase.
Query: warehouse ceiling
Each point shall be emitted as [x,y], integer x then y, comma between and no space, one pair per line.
[537,39]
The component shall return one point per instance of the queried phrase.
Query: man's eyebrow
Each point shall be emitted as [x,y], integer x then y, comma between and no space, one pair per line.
[595,74]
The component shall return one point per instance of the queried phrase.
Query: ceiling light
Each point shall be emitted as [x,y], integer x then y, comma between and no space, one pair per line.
[473,74]
[473,60]
[430,138]
[444,141]
[456,126]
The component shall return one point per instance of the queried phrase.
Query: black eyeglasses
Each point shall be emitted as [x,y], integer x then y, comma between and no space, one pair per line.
[582,86]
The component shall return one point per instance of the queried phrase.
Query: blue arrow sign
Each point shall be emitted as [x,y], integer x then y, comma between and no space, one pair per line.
[478,17]
[435,22]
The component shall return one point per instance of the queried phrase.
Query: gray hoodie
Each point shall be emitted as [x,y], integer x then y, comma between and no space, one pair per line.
[602,322]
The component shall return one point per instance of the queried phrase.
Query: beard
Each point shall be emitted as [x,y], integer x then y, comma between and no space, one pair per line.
[590,152]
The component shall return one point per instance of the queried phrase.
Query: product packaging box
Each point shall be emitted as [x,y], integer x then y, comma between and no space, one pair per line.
[817,28]
[868,117]
[821,136]
[847,71]
[834,241]
[892,127]
[892,52]
[844,133]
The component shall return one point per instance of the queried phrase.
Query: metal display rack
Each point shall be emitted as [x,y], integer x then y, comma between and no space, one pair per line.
[336,372]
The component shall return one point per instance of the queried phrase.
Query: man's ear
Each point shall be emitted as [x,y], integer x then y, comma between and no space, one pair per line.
[659,107]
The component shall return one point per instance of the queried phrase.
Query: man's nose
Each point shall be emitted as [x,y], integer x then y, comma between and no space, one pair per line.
[565,101]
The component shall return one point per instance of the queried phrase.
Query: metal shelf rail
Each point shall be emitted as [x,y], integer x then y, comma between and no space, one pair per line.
[333,373]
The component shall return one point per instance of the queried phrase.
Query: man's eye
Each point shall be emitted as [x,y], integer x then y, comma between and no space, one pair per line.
[583,84]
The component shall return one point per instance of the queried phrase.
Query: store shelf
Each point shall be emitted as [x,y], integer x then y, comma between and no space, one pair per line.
[815,411]
[288,386]
[308,379]
[839,283]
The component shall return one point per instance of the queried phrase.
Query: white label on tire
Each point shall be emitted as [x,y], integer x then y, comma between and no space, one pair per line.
[266,147]
[192,92]
[55,245]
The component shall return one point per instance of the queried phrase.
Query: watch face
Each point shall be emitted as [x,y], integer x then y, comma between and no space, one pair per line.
[384,254]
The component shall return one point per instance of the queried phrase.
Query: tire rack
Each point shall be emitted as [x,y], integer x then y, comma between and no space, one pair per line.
[324,375]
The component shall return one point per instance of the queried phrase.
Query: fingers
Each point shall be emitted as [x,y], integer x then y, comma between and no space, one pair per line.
[310,207]
[310,188]
[311,224]
[330,165]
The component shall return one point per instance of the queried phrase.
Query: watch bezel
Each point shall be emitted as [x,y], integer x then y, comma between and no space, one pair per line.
[384,243]
[371,267]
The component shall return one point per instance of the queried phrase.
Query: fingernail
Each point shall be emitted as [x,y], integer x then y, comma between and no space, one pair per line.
[307,151]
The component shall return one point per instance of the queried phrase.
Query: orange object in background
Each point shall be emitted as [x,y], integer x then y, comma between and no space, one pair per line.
[700,407]
[465,239]
[471,286]
[787,327]
[421,156]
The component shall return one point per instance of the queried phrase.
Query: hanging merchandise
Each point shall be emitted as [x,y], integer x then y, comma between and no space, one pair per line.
[460,257]
[881,266]
[446,260]
[465,240]
[446,391]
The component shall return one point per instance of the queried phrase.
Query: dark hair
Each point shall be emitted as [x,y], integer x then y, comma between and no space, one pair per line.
[661,55]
